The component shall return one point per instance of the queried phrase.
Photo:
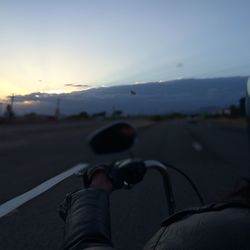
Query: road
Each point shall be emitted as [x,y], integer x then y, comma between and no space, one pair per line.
[215,156]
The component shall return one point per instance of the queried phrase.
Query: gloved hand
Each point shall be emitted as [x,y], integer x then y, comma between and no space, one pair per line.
[89,173]
[129,171]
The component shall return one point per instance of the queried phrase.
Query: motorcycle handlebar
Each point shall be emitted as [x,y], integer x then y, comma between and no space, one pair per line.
[162,168]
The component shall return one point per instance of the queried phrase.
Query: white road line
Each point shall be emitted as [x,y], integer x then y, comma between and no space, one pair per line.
[197,146]
[18,201]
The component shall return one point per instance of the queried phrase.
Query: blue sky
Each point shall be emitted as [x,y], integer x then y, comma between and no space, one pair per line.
[47,44]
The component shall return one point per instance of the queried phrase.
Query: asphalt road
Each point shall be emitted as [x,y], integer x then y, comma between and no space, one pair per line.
[215,156]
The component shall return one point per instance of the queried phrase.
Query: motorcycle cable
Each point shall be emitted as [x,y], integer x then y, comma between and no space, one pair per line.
[188,179]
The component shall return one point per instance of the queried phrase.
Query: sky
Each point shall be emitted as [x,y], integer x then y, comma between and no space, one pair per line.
[61,46]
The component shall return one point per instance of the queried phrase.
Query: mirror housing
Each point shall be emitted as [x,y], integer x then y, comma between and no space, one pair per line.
[114,138]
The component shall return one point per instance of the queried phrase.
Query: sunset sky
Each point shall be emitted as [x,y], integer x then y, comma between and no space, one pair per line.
[60,46]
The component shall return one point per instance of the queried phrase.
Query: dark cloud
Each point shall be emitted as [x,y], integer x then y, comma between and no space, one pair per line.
[179,65]
[35,97]
[172,96]
[76,85]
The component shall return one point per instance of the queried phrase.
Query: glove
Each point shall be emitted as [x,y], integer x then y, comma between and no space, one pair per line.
[128,171]
[92,170]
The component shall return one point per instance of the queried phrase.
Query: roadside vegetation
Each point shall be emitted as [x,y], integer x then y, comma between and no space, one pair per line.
[235,113]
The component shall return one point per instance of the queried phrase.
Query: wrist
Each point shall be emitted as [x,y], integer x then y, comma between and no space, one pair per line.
[101,181]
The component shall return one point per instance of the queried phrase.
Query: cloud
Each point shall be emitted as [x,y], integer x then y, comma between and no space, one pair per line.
[77,85]
[138,82]
[182,95]
[37,96]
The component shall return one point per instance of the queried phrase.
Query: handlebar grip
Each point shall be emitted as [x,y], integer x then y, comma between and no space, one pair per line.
[131,171]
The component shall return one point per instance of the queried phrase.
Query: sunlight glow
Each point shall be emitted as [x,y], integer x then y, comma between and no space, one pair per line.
[139,82]
[55,91]
[42,51]
[28,102]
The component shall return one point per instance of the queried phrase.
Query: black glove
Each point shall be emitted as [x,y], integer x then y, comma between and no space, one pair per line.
[92,170]
[129,171]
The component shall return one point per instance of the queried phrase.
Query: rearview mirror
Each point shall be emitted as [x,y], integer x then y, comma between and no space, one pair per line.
[114,138]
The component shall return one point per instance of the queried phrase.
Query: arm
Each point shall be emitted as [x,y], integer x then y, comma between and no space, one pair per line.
[86,211]
[88,216]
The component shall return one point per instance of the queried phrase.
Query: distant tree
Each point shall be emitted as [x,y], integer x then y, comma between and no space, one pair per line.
[100,114]
[234,111]
[9,113]
[33,117]
[30,115]
[238,111]
[242,106]
[117,113]
[80,116]
[158,118]
[84,114]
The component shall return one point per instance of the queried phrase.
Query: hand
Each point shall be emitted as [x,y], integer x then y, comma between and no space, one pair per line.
[110,177]
[101,181]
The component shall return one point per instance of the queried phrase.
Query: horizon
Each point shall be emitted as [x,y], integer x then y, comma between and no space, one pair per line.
[182,95]
[5,100]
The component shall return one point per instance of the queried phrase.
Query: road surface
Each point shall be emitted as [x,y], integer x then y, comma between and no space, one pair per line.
[215,156]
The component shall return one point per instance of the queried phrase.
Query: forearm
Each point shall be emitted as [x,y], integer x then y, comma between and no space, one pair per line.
[87,220]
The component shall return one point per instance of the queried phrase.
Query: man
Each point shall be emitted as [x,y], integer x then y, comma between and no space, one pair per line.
[223,225]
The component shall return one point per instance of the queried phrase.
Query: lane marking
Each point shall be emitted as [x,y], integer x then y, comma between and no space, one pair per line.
[18,201]
[197,146]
